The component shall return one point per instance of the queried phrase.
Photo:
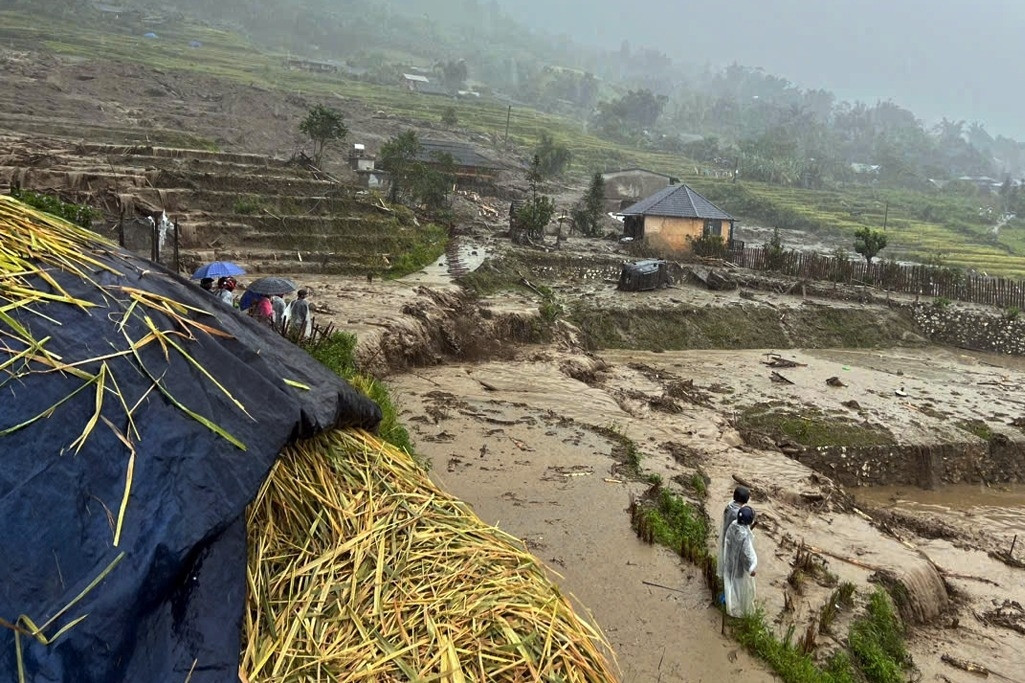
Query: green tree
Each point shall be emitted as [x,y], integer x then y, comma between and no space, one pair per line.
[537,212]
[412,178]
[323,125]
[869,242]
[449,117]
[431,183]
[551,157]
[588,212]
[398,157]
[774,250]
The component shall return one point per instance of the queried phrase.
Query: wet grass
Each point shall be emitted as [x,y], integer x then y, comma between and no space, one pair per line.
[977,427]
[810,427]
[878,653]
[338,353]
[739,327]
[425,246]
[921,225]
[671,521]
[785,658]
[877,641]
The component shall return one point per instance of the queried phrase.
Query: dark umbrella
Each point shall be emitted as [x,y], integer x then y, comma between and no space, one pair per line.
[271,286]
[218,269]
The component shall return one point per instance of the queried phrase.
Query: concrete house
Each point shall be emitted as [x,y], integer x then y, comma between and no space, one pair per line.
[673,216]
[630,185]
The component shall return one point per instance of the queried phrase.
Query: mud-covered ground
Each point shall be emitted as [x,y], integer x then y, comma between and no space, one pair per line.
[515,439]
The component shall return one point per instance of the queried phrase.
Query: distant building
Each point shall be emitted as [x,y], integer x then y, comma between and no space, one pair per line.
[630,185]
[673,216]
[415,82]
[315,66]
[471,167]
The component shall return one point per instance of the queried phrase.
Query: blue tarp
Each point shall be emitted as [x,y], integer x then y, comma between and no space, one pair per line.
[174,602]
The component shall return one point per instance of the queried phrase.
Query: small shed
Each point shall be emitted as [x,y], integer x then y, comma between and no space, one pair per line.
[674,216]
[415,82]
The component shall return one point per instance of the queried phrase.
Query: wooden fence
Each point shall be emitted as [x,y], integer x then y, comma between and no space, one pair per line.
[949,283]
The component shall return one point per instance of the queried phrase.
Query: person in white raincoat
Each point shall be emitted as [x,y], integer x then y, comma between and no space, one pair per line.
[729,515]
[739,564]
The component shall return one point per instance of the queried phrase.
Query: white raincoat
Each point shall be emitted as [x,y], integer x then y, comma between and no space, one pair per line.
[729,515]
[739,560]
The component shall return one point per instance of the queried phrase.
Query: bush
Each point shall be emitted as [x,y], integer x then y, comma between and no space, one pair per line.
[79,214]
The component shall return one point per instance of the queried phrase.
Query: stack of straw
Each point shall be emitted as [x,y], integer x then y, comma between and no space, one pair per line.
[360,569]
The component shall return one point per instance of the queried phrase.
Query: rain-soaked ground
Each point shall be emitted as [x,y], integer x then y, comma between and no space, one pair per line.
[517,439]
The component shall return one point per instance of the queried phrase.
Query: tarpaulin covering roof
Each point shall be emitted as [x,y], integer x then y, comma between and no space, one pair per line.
[138,418]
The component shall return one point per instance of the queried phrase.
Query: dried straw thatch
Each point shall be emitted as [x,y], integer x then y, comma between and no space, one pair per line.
[360,569]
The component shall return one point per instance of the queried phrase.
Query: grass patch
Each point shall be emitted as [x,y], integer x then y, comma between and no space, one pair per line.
[977,427]
[79,214]
[338,353]
[810,428]
[841,598]
[426,247]
[785,658]
[669,520]
[247,205]
[698,483]
[877,641]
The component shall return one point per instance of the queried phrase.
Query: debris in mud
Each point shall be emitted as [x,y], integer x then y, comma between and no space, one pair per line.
[682,454]
[852,404]
[1009,615]
[779,379]
[662,404]
[777,361]
[565,473]
[686,390]
[835,382]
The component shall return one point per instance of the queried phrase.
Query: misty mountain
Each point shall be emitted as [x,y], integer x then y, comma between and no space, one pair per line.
[670,77]
[957,58]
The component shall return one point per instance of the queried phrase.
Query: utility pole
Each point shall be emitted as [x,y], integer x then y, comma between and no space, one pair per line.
[886,215]
[508,120]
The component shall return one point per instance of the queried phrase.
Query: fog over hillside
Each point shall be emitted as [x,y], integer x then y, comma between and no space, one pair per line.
[954,58]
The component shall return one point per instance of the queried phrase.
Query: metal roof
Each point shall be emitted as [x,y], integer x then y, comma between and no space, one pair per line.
[461,153]
[677,201]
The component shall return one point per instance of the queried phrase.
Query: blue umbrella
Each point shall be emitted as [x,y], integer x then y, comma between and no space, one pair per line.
[218,269]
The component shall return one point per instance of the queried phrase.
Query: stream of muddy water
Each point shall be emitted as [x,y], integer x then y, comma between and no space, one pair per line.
[996,509]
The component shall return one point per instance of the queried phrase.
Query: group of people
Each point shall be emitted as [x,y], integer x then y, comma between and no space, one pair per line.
[738,562]
[272,310]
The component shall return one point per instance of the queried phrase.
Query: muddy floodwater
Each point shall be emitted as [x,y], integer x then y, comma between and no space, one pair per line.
[997,509]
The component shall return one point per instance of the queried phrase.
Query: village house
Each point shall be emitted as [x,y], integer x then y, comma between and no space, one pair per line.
[630,185]
[675,215]
[471,168]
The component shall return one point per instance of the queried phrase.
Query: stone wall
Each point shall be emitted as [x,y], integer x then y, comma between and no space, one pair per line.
[969,328]
[1001,460]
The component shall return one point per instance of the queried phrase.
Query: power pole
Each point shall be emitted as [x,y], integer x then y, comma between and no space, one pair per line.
[508,120]
[886,215]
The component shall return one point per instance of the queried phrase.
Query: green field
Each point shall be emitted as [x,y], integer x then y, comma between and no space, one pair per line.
[932,226]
